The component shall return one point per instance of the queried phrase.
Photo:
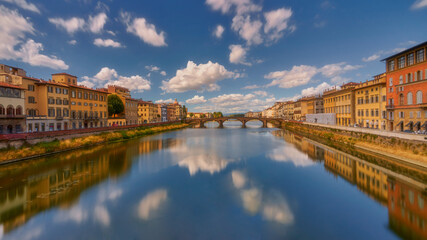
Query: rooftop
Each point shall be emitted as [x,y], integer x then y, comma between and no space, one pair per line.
[404,51]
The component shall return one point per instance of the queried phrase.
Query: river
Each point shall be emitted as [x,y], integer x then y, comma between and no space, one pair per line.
[230,183]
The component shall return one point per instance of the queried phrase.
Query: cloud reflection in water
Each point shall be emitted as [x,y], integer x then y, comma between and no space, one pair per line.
[151,203]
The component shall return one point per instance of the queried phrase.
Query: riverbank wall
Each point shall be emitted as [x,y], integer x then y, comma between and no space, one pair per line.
[20,139]
[410,150]
[32,148]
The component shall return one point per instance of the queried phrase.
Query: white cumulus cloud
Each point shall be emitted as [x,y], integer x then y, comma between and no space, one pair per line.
[249,30]
[160,101]
[163,73]
[96,23]
[145,31]
[196,100]
[219,30]
[298,75]
[71,25]
[197,77]
[108,76]
[14,28]
[106,43]
[276,22]
[238,55]
[315,90]
[24,5]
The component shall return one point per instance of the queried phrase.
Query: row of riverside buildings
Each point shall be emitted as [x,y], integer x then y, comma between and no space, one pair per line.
[395,100]
[29,104]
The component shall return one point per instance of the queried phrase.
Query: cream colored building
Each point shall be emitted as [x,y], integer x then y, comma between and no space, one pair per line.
[12,109]
[371,102]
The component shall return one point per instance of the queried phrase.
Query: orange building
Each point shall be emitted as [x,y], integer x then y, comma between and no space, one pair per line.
[406,74]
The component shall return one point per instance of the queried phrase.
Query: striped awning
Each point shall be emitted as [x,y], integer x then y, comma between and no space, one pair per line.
[409,124]
[401,122]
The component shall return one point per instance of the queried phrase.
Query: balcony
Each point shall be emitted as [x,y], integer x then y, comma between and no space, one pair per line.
[389,107]
[38,117]
[59,118]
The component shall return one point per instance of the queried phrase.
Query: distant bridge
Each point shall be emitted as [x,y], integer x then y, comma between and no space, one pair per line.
[220,120]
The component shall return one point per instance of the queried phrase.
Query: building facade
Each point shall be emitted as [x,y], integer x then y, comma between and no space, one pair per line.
[370,103]
[12,108]
[406,74]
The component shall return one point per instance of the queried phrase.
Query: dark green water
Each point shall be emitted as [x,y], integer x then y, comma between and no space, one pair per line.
[229,183]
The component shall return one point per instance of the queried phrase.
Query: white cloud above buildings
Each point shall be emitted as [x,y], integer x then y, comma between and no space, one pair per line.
[198,77]
[16,46]
[147,32]
[196,100]
[108,76]
[303,74]
[94,24]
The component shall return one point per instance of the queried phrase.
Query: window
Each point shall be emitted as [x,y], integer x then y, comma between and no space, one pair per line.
[401,79]
[390,82]
[409,98]
[31,88]
[410,59]
[58,90]
[65,101]
[401,115]
[65,112]
[401,99]
[419,76]
[85,95]
[391,65]
[31,100]
[410,78]
[411,115]
[58,101]
[65,91]
[419,97]
[51,112]
[51,101]
[420,55]
[79,95]
[58,112]
[401,62]
[73,94]
[419,114]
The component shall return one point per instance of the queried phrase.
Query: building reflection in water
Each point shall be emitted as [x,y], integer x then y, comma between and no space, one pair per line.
[404,197]
[57,181]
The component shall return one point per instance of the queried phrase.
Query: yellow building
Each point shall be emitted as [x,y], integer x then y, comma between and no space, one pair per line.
[297,110]
[88,107]
[371,102]
[288,110]
[148,112]
[341,102]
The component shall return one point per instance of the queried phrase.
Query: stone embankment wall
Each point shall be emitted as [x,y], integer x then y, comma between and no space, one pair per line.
[18,140]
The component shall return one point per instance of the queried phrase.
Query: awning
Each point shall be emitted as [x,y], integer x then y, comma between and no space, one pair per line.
[417,125]
[409,124]
[401,122]
[424,125]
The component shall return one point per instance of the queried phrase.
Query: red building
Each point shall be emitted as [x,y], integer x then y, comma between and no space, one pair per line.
[406,74]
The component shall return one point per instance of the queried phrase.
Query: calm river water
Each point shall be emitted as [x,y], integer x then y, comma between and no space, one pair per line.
[229,183]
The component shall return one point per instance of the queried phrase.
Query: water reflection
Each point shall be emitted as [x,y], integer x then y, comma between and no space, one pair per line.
[188,184]
[273,206]
[404,197]
[38,185]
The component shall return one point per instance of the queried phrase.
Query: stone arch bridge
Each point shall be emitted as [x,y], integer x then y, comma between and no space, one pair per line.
[201,121]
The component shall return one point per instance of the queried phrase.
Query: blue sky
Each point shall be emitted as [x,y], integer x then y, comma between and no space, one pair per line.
[212,55]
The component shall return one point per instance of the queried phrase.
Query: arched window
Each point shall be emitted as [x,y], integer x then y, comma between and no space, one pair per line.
[401,99]
[410,98]
[2,111]
[419,97]
[18,110]
[10,110]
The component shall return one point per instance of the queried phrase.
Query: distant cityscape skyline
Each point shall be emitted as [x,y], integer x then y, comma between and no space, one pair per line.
[232,56]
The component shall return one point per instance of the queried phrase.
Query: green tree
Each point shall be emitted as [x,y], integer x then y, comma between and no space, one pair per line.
[202,115]
[115,105]
[191,115]
[184,112]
